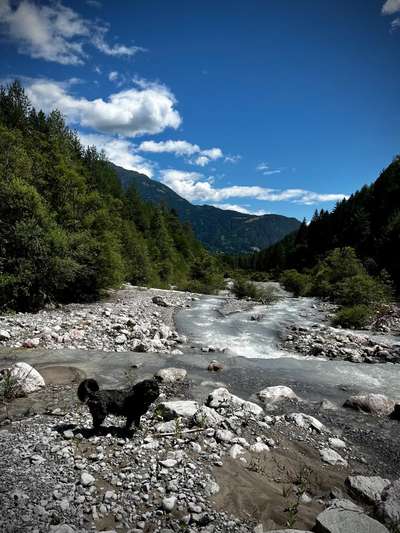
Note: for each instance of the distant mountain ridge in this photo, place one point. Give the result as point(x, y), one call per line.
point(218, 229)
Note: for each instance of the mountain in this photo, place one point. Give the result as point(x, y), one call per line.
point(218, 229)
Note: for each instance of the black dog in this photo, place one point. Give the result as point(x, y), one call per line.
point(131, 403)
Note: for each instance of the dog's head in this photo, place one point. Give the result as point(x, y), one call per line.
point(148, 390)
point(86, 389)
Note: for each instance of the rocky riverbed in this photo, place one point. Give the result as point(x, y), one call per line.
point(130, 319)
point(225, 465)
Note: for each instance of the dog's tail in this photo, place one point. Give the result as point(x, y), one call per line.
point(87, 388)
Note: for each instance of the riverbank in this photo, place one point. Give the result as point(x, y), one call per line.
point(132, 318)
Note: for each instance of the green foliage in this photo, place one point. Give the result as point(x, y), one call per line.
point(295, 282)
point(245, 289)
point(205, 275)
point(68, 229)
point(355, 317)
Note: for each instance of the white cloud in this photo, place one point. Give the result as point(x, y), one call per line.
point(194, 187)
point(182, 148)
point(55, 32)
point(390, 7)
point(232, 158)
point(113, 76)
point(240, 209)
point(395, 24)
point(119, 151)
point(266, 170)
point(130, 112)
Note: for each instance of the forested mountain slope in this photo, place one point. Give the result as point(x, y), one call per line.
point(68, 229)
point(218, 229)
point(368, 221)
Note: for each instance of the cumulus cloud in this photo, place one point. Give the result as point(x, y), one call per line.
point(390, 7)
point(266, 170)
point(113, 76)
point(194, 187)
point(55, 32)
point(131, 112)
point(119, 151)
point(232, 158)
point(182, 149)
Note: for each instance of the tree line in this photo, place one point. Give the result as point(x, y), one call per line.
point(69, 230)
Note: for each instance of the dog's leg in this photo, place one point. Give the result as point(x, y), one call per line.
point(130, 420)
point(98, 418)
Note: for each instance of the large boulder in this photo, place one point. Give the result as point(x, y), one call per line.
point(223, 398)
point(22, 378)
point(276, 394)
point(178, 408)
point(343, 521)
point(332, 458)
point(376, 404)
point(389, 508)
point(368, 488)
point(170, 375)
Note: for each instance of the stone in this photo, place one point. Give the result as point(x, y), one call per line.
point(62, 528)
point(341, 503)
point(276, 394)
point(170, 375)
point(236, 450)
point(389, 508)
point(259, 447)
point(212, 488)
point(367, 488)
point(343, 521)
point(327, 405)
point(158, 300)
point(182, 408)
point(215, 366)
point(221, 397)
point(169, 463)
point(31, 343)
point(284, 531)
point(224, 435)
point(334, 442)
point(331, 457)
point(120, 339)
point(87, 479)
point(207, 417)
point(26, 378)
point(376, 404)
point(305, 421)
point(5, 335)
point(169, 503)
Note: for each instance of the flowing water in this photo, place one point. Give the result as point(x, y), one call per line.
point(255, 344)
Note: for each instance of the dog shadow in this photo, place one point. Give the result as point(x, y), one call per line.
point(102, 431)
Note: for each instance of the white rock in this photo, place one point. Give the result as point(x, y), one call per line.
point(331, 457)
point(170, 375)
point(120, 339)
point(277, 393)
point(169, 503)
point(5, 335)
point(259, 447)
point(369, 488)
point(305, 421)
point(224, 435)
point(87, 479)
point(222, 397)
point(212, 488)
point(182, 408)
point(236, 450)
point(208, 417)
point(27, 379)
point(168, 463)
point(334, 442)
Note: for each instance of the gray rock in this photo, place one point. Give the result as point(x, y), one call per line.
point(331, 457)
point(277, 393)
point(62, 528)
point(376, 404)
point(341, 503)
point(182, 408)
point(169, 503)
point(208, 417)
point(367, 488)
point(171, 375)
point(389, 508)
point(87, 479)
point(305, 421)
point(334, 442)
point(27, 379)
point(343, 521)
point(4, 335)
point(224, 435)
point(327, 405)
point(223, 398)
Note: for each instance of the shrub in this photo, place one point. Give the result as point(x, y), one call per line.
point(295, 282)
point(245, 289)
point(361, 289)
point(355, 317)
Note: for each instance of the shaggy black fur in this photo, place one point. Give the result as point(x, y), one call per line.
point(131, 403)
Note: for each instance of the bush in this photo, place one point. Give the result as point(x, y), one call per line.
point(295, 282)
point(361, 290)
point(355, 317)
point(245, 289)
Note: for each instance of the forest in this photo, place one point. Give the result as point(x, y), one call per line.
point(69, 230)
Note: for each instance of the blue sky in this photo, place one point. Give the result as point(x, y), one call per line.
point(267, 106)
